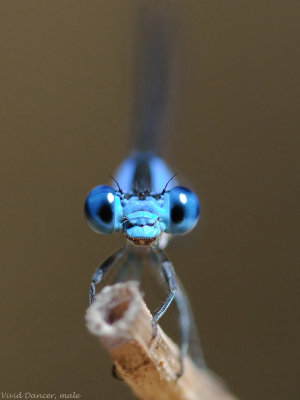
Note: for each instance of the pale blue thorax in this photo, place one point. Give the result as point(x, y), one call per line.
point(160, 173)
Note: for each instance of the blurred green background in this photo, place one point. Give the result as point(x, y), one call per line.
point(66, 101)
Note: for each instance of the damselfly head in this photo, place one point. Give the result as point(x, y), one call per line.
point(142, 218)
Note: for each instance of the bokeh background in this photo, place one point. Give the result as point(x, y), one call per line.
point(66, 101)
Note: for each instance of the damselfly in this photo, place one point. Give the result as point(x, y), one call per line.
point(148, 206)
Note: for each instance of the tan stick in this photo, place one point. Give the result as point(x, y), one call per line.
point(120, 318)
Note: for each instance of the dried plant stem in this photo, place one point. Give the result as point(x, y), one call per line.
point(121, 320)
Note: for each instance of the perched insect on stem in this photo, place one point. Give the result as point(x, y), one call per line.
point(148, 206)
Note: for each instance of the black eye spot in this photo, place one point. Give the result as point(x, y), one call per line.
point(177, 214)
point(105, 213)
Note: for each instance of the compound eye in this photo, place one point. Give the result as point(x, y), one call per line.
point(100, 209)
point(184, 210)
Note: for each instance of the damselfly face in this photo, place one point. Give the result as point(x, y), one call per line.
point(142, 217)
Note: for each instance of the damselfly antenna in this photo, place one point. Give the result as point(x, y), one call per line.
point(120, 190)
point(164, 190)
